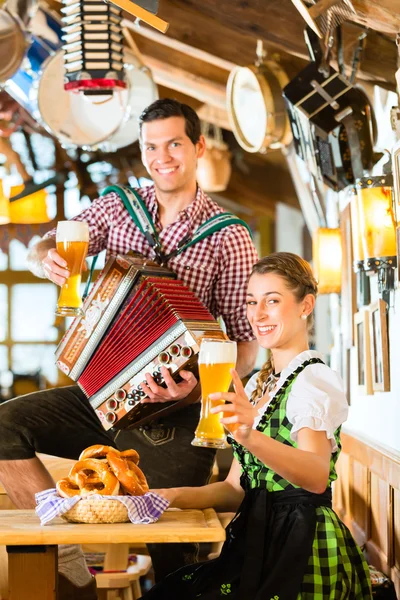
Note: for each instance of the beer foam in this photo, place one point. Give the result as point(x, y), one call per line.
point(217, 352)
point(72, 231)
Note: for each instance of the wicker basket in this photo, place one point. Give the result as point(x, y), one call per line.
point(97, 510)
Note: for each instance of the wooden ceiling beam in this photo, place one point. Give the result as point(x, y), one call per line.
point(224, 29)
point(383, 16)
point(205, 90)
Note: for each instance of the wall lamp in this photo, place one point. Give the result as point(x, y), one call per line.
point(374, 231)
point(327, 260)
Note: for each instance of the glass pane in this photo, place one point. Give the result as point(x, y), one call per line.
point(3, 359)
point(3, 261)
point(18, 253)
point(73, 203)
point(32, 316)
point(3, 312)
point(30, 358)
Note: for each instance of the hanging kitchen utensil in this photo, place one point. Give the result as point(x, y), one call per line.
point(214, 167)
point(331, 121)
point(323, 16)
point(256, 109)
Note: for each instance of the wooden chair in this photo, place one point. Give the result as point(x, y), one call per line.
point(126, 585)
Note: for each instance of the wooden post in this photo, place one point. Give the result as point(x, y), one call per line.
point(41, 564)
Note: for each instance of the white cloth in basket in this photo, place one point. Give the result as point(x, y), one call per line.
point(141, 509)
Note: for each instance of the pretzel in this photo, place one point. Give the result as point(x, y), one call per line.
point(128, 473)
point(99, 451)
point(96, 451)
point(67, 488)
point(89, 474)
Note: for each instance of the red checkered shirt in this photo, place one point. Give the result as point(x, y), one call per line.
point(216, 269)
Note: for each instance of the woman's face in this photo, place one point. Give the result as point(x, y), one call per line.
point(274, 312)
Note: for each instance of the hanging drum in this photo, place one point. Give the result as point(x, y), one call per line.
point(256, 109)
point(106, 122)
point(95, 122)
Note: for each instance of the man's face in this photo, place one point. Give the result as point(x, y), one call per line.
point(169, 155)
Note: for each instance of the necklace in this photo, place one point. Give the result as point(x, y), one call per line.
point(271, 382)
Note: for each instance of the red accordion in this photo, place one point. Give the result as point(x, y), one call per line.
point(137, 318)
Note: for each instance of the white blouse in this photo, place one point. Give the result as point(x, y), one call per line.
point(316, 399)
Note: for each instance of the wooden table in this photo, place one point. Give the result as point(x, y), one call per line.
point(32, 548)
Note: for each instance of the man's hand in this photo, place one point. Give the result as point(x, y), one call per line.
point(55, 267)
point(173, 391)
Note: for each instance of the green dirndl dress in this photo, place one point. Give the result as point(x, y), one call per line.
point(284, 543)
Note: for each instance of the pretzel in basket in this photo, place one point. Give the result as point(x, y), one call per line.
point(106, 471)
point(90, 476)
point(99, 451)
point(127, 472)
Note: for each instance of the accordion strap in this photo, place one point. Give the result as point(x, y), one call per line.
point(142, 218)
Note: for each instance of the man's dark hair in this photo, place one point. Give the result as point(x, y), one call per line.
point(168, 107)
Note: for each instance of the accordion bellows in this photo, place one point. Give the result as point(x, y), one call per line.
point(137, 318)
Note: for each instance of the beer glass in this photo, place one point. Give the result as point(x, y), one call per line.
point(216, 359)
point(72, 240)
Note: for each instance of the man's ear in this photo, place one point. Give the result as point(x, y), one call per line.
point(201, 146)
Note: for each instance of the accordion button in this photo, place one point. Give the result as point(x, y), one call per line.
point(164, 358)
point(120, 394)
point(186, 351)
point(174, 350)
point(111, 417)
point(112, 404)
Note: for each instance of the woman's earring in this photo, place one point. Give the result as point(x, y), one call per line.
point(304, 317)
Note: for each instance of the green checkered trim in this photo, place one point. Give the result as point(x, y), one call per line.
point(275, 424)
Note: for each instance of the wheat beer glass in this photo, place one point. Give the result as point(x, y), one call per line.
point(72, 241)
point(216, 359)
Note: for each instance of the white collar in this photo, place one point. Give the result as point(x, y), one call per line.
point(292, 366)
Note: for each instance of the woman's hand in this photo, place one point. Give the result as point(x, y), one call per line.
point(169, 494)
point(174, 391)
point(239, 414)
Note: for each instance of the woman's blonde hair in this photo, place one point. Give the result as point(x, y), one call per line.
point(299, 278)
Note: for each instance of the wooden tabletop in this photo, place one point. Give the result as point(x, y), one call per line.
point(22, 527)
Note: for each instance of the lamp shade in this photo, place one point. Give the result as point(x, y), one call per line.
point(327, 260)
point(377, 226)
point(29, 210)
point(4, 207)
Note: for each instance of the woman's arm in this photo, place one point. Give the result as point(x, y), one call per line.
point(223, 496)
point(306, 466)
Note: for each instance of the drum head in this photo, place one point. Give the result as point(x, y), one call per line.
point(141, 92)
point(92, 122)
point(12, 46)
point(247, 109)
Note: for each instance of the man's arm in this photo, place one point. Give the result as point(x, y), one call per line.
point(246, 357)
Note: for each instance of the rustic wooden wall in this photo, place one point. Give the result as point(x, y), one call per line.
point(367, 499)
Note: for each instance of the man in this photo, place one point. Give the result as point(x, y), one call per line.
point(61, 422)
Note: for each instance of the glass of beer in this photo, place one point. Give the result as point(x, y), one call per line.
point(216, 359)
point(72, 240)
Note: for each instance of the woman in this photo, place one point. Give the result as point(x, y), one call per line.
point(285, 541)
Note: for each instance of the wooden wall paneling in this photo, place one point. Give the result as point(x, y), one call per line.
point(378, 539)
point(359, 496)
point(369, 476)
point(396, 540)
